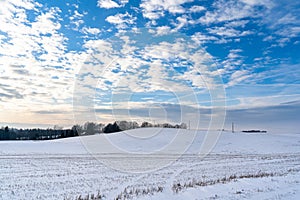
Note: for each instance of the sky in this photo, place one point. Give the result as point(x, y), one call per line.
point(207, 63)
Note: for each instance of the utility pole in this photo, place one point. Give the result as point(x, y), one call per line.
point(232, 127)
point(189, 124)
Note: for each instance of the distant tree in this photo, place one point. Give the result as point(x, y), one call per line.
point(57, 127)
point(183, 126)
point(146, 124)
point(77, 129)
point(6, 133)
point(134, 125)
point(111, 128)
point(62, 133)
point(125, 125)
point(12, 135)
point(99, 128)
point(33, 134)
point(167, 125)
point(89, 128)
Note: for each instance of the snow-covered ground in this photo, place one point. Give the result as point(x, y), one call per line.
point(153, 164)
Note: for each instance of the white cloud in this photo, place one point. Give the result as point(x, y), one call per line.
point(238, 77)
point(115, 19)
point(111, 4)
point(98, 45)
point(233, 53)
point(181, 22)
point(107, 4)
point(153, 15)
point(37, 69)
point(194, 9)
point(289, 31)
point(283, 21)
point(89, 30)
point(228, 32)
point(279, 16)
point(76, 20)
point(229, 10)
point(201, 38)
point(283, 41)
point(237, 23)
point(287, 19)
point(234, 61)
point(47, 22)
point(121, 20)
point(146, 69)
point(176, 9)
point(199, 75)
point(163, 30)
point(154, 9)
point(266, 3)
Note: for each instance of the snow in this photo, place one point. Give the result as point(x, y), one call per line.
point(148, 158)
point(149, 140)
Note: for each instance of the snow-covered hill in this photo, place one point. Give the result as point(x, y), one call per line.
point(240, 166)
point(163, 140)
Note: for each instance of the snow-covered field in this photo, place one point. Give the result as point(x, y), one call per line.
point(240, 166)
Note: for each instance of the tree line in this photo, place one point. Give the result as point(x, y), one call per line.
point(89, 128)
point(35, 134)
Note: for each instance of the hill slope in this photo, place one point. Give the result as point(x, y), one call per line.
point(156, 140)
point(249, 166)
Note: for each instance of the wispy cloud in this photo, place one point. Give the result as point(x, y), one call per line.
point(194, 9)
point(154, 9)
point(233, 10)
point(286, 25)
point(90, 31)
point(228, 32)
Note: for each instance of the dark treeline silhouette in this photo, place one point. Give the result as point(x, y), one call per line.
point(35, 134)
point(89, 128)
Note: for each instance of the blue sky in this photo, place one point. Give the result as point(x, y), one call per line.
point(208, 62)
